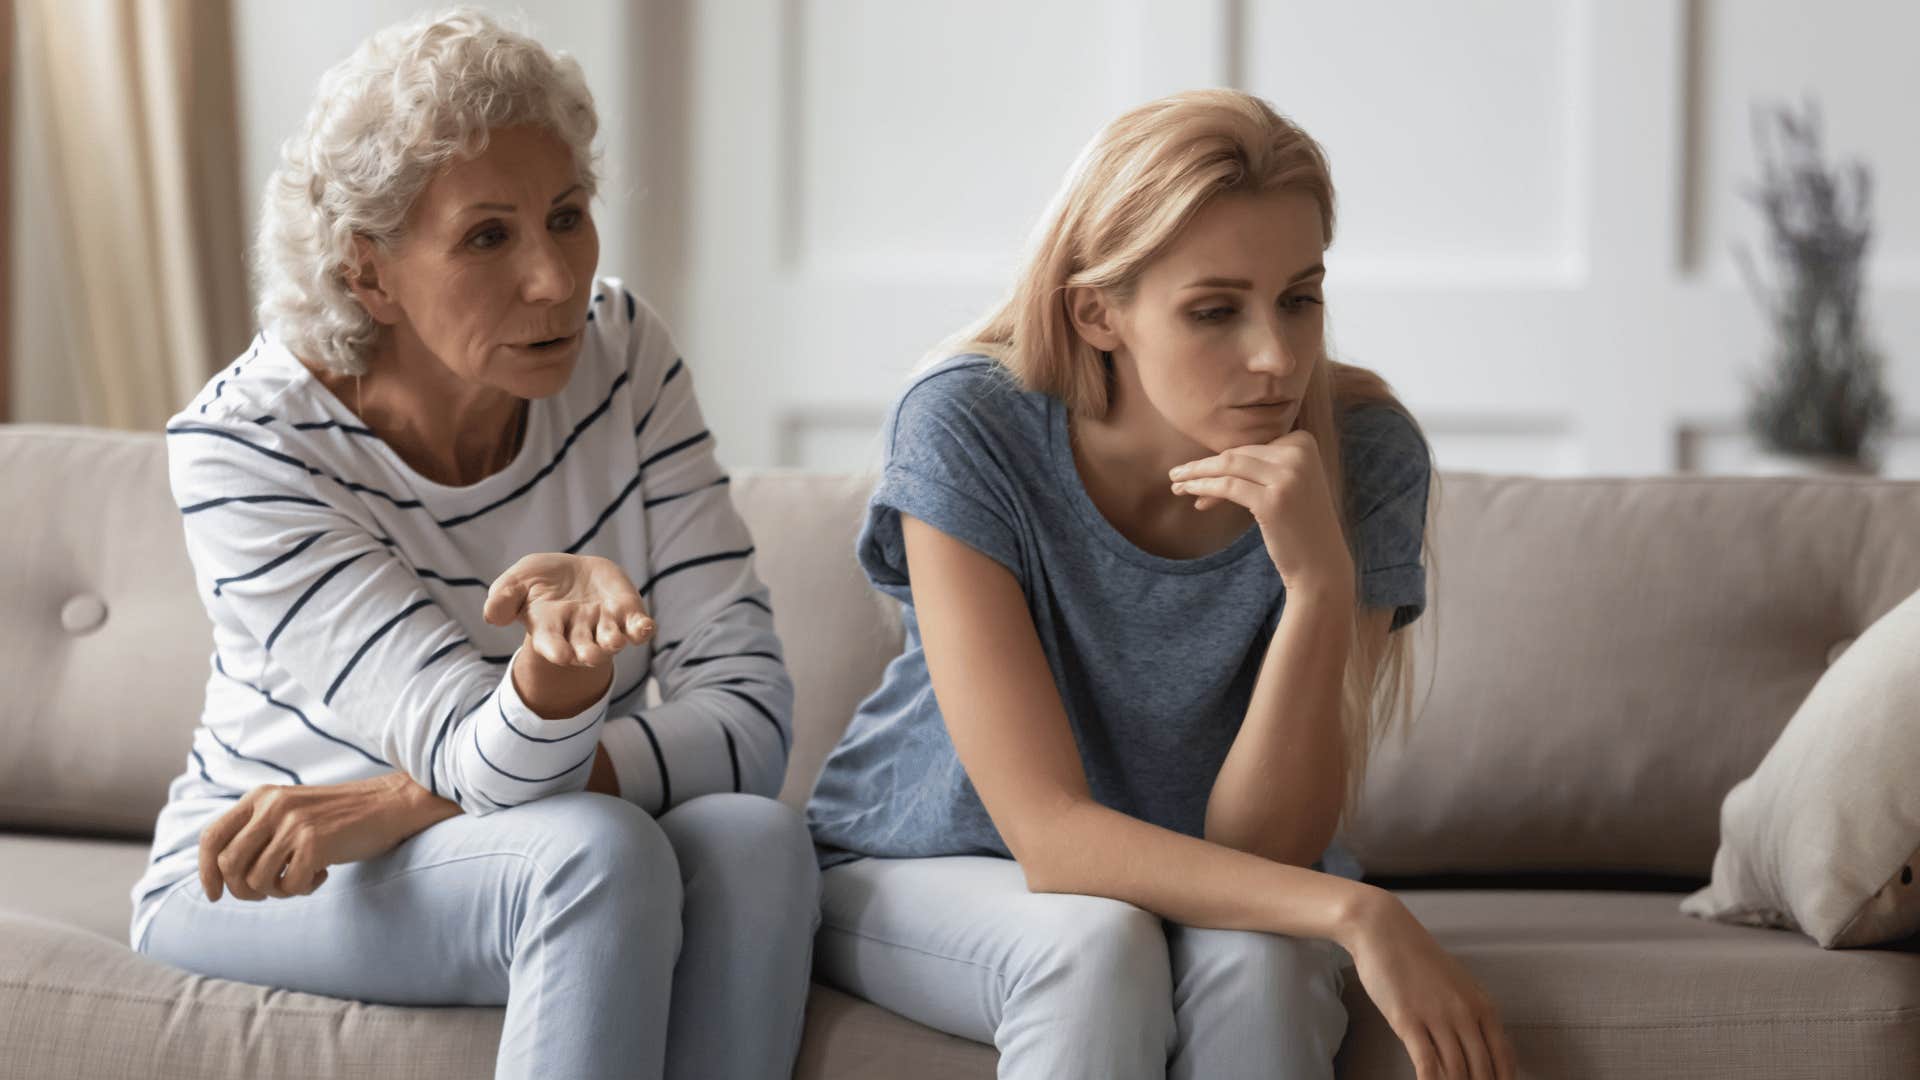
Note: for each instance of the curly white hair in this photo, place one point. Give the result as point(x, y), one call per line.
point(383, 122)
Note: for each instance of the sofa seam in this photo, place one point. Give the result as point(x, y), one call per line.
point(286, 1010)
point(1888, 1016)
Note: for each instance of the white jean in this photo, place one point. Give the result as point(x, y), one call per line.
point(1077, 986)
point(621, 946)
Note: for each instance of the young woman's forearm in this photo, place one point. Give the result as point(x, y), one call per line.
point(1092, 850)
point(1278, 793)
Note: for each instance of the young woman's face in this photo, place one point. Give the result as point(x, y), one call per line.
point(495, 271)
point(1224, 327)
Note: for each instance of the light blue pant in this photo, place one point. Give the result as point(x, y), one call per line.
point(571, 911)
point(1077, 986)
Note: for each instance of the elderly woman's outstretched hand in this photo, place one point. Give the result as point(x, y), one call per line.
point(579, 610)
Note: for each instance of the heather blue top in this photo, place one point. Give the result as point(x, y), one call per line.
point(1154, 658)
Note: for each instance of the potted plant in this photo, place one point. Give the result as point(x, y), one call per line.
point(1821, 404)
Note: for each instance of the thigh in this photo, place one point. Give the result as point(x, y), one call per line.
point(431, 922)
point(947, 941)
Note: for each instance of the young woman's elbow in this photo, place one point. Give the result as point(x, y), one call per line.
point(1048, 848)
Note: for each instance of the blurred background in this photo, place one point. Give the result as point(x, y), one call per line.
point(1543, 203)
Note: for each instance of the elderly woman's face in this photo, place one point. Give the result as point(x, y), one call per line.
point(495, 271)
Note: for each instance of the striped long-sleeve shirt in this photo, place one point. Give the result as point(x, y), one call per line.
point(345, 592)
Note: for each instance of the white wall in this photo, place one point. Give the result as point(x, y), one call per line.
point(1538, 197)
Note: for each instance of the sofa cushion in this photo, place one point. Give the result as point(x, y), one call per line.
point(837, 632)
point(1590, 984)
point(1604, 659)
point(103, 642)
point(1822, 837)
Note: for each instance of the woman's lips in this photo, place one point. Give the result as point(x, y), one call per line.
point(548, 344)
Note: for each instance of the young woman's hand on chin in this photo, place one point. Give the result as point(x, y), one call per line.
point(1284, 485)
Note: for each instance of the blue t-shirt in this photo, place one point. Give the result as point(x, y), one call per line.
point(1154, 658)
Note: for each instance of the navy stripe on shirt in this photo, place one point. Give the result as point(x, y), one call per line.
point(440, 652)
point(583, 425)
point(648, 504)
point(433, 783)
point(696, 661)
point(663, 454)
point(278, 704)
point(278, 560)
point(535, 738)
point(211, 503)
point(457, 582)
point(528, 779)
point(368, 644)
point(689, 564)
point(594, 529)
point(308, 595)
point(678, 363)
point(224, 745)
point(660, 759)
point(759, 708)
point(733, 756)
point(289, 459)
point(323, 425)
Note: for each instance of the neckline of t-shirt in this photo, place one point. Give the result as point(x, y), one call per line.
point(508, 476)
point(1068, 475)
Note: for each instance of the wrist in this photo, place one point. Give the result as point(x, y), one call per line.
point(556, 691)
point(1324, 597)
point(1361, 914)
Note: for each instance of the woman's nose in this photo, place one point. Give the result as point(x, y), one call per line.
point(1270, 354)
point(547, 277)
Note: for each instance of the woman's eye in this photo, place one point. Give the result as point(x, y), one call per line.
point(566, 220)
point(1300, 302)
point(485, 239)
point(1212, 314)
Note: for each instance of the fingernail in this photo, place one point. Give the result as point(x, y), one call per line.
point(1177, 472)
point(1179, 489)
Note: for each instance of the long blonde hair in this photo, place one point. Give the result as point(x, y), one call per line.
point(1128, 195)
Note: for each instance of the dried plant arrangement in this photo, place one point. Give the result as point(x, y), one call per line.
point(1823, 392)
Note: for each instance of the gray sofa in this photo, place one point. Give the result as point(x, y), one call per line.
point(1603, 660)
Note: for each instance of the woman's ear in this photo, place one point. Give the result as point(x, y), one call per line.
point(1093, 317)
point(366, 279)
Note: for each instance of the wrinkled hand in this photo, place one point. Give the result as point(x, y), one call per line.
point(1284, 485)
point(1449, 1026)
point(278, 841)
point(579, 610)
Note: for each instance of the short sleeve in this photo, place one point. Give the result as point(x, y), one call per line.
point(1388, 469)
point(947, 450)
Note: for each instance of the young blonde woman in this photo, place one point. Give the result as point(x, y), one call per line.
point(1153, 548)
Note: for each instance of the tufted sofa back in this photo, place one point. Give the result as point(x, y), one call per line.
point(1602, 659)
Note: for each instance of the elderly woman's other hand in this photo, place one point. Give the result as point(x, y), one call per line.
point(278, 840)
point(579, 610)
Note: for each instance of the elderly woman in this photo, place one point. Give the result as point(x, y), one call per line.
point(450, 514)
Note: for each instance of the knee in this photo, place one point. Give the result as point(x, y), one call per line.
point(1245, 965)
point(749, 845)
point(594, 842)
point(1106, 947)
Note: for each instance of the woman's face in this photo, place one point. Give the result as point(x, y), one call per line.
point(1224, 327)
point(494, 272)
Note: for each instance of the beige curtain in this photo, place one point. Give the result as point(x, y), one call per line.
point(140, 139)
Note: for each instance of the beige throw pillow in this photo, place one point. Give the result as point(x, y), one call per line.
point(1823, 836)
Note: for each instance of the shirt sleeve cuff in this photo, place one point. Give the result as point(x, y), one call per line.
point(529, 724)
